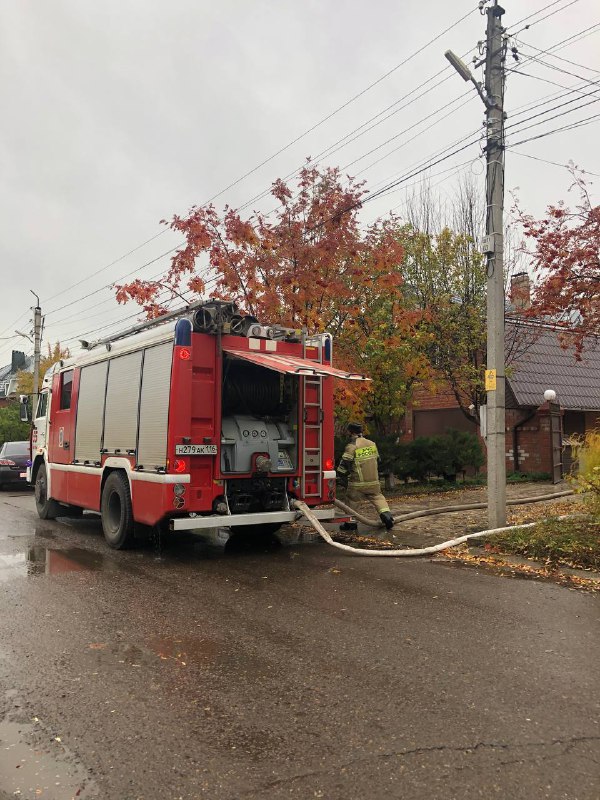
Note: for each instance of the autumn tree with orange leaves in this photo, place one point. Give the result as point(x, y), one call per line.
point(308, 263)
point(566, 256)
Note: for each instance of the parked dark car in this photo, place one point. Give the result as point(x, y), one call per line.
point(13, 463)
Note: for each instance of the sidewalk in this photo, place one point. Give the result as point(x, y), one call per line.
point(427, 531)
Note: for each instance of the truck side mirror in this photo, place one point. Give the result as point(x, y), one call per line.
point(24, 408)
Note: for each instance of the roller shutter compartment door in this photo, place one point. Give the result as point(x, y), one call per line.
point(90, 413)
point(154, 406)
point(122, 401)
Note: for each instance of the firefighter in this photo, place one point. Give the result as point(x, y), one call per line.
point(358, 470)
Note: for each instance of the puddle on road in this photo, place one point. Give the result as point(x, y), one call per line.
point(38, 560)
point(27, 771)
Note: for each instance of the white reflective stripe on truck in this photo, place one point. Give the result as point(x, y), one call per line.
point(149, 477)
point(232, 520)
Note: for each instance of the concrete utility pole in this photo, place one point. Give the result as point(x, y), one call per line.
point(495, 375)
point(493, 247)
point(37, 346)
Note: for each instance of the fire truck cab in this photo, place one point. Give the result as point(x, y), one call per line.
point(200, 419)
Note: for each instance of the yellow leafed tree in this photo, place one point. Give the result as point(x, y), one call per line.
point(25, 379)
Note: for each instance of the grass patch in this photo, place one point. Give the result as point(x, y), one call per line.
point(527, 477)
point(433, 486)
point(574, 542)
point(436, 485)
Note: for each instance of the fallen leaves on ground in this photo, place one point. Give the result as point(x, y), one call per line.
point(366, 542)
point(500, 566)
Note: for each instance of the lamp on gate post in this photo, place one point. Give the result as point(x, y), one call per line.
point(556, 443)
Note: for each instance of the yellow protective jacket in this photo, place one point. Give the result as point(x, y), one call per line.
point(359, 464)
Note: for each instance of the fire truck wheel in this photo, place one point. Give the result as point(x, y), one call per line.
point(46, 507)
point(117, 513)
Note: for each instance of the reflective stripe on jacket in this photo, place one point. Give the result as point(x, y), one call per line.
point(359, 462)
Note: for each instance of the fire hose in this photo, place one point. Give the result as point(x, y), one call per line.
point(376, 523)
point(420, 551)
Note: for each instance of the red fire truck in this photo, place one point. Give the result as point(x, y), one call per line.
point(202, 418)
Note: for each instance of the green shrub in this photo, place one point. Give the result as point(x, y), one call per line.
point(11, 427)
point(527, 477)
point(426, 456)
point(587, 477)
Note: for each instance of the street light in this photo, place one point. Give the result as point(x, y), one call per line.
point(492, 245)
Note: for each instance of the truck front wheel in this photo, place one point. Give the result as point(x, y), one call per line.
point(117, 512)
point(46, 507)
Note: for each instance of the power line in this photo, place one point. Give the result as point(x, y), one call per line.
point(523, 109)
point(427, 166)
point(343, 142)
point(107, 266)
point(555, 108)
point(553, 163)
point(561, 58)
point(411, 127)
point(161, 296)
point(16, 322)
point(278, 152)
point(329, 150)
point(110, 285)
point(351, 137)
point(343, 106)
point(572, 126)
point(556, 68)
point(556, 116)
point(545, 8)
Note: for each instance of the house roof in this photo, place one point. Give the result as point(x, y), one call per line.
point(7, 374)
point(540, 361)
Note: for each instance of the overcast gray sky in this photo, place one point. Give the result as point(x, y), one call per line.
point(118, 114)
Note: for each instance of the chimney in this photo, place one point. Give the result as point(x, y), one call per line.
point(520, 291)
point(18, 361)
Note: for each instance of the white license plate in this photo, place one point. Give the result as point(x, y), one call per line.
point(22, 474)
point(196, 450)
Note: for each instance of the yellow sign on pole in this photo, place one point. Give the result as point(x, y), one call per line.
point(490, 380)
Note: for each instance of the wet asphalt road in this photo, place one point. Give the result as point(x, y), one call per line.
point(296, 672)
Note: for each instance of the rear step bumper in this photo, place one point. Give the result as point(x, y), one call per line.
point(230, 521)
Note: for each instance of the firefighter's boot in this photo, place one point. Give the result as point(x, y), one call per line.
point(387, 519)
point(349, 526)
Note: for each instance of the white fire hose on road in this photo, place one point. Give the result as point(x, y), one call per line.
point(420, 551)
point(376, 523)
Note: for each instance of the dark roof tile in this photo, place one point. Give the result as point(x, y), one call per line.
point(540, 362)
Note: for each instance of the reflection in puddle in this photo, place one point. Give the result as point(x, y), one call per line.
point(26, 771)
point(39, 560)
point(46, 561)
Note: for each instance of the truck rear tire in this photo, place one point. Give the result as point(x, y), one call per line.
point(117, 512)
point(45, 506)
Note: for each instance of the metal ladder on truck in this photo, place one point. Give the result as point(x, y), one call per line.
point(312, 429)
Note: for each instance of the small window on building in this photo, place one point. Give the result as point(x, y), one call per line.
point(42, 405)
point(66, 387)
